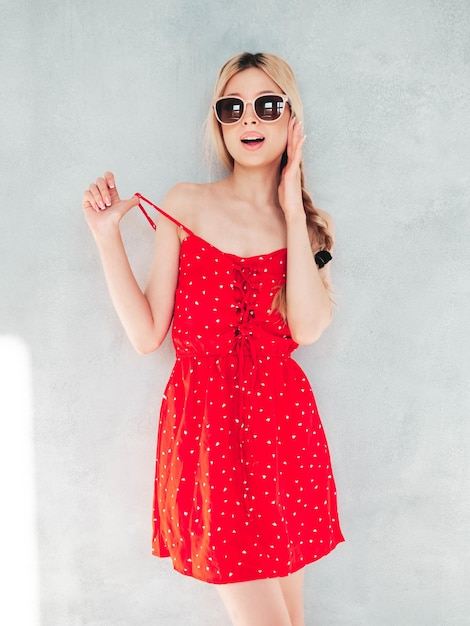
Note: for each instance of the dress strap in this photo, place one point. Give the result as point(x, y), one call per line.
point(150, 220)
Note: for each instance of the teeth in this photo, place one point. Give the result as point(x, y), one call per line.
point(250, 139)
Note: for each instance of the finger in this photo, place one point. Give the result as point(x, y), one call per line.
point(112, 188)
point(131, 202)
point(297, 156)
point(296, 132)
point(290, 137)
point(96, 193)
point(89, 202)
point(293, 163)
point(104, 191)
point(300, 136)
point(299, 139)
point(110, 180)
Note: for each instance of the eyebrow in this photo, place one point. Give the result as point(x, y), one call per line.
point(260, 93)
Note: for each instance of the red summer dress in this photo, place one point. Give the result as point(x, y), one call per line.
point(244, 487)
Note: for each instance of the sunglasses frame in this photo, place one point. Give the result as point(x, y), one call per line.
point(284, 97)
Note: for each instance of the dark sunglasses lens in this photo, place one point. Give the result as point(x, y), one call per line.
point(229, 110)
point(269, 108)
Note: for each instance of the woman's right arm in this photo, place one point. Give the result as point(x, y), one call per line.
point(145, 316)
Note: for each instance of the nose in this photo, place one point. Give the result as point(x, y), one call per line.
point(249, 116)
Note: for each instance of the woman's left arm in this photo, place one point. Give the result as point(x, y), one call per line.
point(309, 308)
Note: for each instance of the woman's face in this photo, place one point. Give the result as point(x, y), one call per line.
point(269, 139)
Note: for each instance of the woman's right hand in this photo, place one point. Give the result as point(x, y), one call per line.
point(102, 205)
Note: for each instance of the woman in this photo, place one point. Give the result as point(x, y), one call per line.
point(244, 491)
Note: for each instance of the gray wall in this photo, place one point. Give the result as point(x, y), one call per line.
point(89, 86)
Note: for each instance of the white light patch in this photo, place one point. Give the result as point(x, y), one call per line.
point(18, 543)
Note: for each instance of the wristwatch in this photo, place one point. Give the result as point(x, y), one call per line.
point(322, 258)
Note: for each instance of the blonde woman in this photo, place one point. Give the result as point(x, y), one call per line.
point(244, 492)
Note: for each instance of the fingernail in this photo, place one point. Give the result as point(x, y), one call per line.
point(108, 201)
point(111, 185)
point(101, 204)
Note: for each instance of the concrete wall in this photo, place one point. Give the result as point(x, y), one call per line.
point(94, 85)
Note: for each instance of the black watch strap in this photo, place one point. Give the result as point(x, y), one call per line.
point(322, 258)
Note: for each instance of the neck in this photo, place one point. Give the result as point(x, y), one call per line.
point(257, 186)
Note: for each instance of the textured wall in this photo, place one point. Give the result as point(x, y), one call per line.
point(89, 86)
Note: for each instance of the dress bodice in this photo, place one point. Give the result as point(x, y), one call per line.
point(224, 302)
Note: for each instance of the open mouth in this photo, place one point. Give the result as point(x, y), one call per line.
point(252, 140)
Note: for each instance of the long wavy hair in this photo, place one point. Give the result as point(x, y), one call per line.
point(281, 73)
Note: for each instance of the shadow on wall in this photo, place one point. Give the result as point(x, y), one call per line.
point(18, 541)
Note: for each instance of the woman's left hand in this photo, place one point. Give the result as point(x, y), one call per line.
point(290, 188)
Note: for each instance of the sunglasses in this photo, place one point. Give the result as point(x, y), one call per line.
point(267, 108)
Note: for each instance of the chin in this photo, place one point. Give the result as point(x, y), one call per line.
point(257, 158)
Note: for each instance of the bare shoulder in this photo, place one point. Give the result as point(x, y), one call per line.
point(180, 195)
point(190, 203)
point(183, 199)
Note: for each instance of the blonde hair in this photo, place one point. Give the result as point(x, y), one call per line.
point(281, 73)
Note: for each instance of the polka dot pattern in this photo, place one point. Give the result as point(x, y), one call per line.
point(244, 487)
